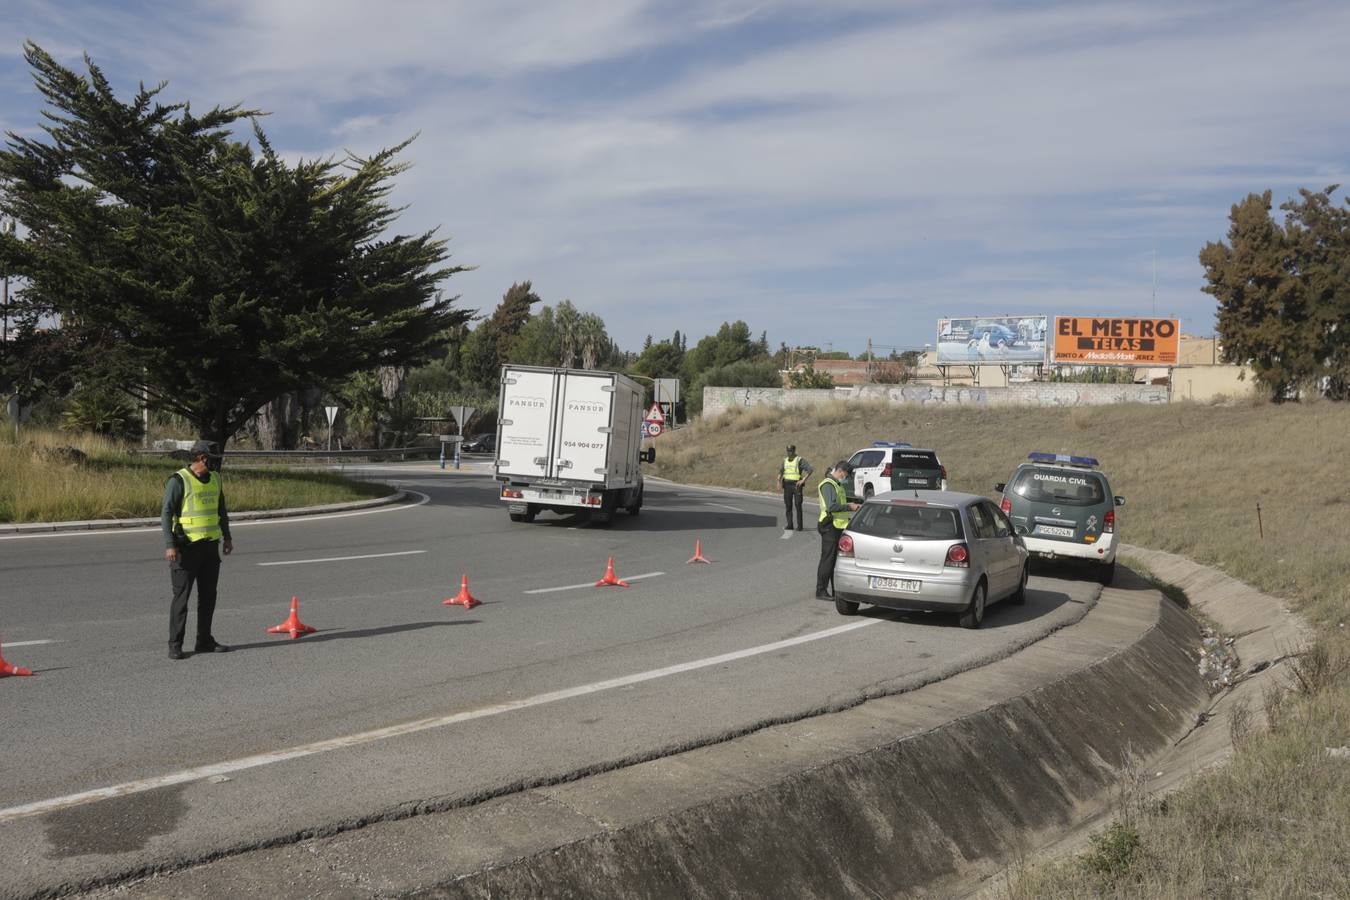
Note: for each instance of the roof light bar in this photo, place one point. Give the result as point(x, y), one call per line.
point(1039, 456)
point(891, 444)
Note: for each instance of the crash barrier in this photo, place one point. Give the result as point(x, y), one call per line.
point(388, 453)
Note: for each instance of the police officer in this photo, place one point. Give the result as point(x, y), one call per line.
point(196, 528)
point(835, 510)
point(792, 475)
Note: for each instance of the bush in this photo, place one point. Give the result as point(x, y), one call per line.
point(103, 412)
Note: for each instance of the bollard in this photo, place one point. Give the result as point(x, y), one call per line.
point(442, 454)
point(457, 443)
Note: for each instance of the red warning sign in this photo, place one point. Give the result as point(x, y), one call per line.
point(655, 415)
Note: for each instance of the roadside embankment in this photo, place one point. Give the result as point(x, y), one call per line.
point(910, 793)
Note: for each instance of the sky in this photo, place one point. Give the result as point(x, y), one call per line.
point(829, 173)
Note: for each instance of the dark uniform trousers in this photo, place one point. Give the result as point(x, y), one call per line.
point(792, 499)
point(198, 562)
point(829, 552)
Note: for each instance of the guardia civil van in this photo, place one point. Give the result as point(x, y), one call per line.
point(1063, 507)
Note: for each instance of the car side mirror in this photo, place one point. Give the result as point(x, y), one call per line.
point(1000, 486)
point(648, 455)
point(1120, 501)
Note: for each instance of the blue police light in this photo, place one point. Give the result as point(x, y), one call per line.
point(890, 444)
point(1039, 456)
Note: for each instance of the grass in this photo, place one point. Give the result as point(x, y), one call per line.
point(53, 477)
point(1274, 821)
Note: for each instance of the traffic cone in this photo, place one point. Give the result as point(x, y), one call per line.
point(293, 625)
point(8, 668)
point(698, 553)
point(610, 578)
point(463, 598)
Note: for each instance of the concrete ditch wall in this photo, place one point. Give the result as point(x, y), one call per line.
point(717, 400)
point(906, 816)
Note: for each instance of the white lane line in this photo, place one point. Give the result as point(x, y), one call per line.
point(291, 520)
point(296, 562)
point(577, 587)
point(724, 506)
point(785, 536)
point(29, 643)
point(366, 737)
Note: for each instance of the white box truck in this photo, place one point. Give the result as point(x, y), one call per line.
point(569, 440)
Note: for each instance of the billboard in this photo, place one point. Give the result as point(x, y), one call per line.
point(1116, 341)
point(992, 340)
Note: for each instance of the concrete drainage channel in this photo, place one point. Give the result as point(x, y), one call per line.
point(929, 791)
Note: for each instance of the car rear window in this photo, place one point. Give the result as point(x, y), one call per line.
point(916, 459)
point(1070, 487)
point(893, 520)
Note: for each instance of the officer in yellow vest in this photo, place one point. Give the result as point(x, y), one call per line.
point(792, 475)
point(196, 528)
point(835, 510)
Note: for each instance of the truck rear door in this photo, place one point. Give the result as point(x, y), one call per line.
point(581, 448)
point(528, 410)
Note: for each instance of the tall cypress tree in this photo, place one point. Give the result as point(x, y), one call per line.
point(203, 270)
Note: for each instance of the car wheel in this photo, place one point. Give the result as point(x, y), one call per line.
point(974, 613)
point(845, 607)
point(1020, 595)
point(1107, 573)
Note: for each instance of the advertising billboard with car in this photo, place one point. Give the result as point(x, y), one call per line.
point(992, 340)
point(1116, 341)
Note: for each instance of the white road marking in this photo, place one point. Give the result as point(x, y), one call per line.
point(785, 536)
point(198, 773)
point(290, 520)
point(577, 587)
point(29, 643)
point(296, 562)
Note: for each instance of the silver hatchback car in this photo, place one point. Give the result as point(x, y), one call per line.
point(930, 550)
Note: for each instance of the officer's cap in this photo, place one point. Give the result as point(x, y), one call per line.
point(207, 447)
point(792, 448)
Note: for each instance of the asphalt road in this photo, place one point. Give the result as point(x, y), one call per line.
point(116, 759)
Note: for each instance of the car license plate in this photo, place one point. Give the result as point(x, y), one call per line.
point(908, 585)
point(552, 495)
point(918, 481)
point(1056, 530)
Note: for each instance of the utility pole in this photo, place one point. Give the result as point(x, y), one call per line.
point(1155, 282)
point(4, 295)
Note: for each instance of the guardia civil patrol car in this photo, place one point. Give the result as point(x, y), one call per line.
point(1063, 507)
point(895, 466)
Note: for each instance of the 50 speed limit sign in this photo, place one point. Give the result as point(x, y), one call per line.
point(653, 428)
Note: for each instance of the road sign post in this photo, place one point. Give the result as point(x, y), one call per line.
point(461, 415)
point(331, 412)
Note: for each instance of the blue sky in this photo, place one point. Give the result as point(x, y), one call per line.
point(825, 172)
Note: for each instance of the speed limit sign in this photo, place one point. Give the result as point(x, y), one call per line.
point(653, 428)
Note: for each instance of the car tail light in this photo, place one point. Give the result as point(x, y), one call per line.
point(886, 471)
point(944, 472)
point(845, 545)
point(512, 493)
point(958, 555)
point(1109, 522)
point(1006, 506)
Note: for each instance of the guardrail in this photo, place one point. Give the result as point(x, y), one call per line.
point(401, 453)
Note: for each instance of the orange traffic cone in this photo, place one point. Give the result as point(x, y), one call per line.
point(610, 578)
point(8, 668)
point(463, 598)
point(293, 625)
point(698, 554)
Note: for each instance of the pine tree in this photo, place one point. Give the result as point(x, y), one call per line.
point(208, 272)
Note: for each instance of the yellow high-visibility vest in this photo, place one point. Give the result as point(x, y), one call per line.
point(840, 518)
point(199, 519)
point(792, 468)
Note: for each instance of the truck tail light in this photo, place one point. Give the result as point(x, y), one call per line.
point(593, 499)
point(845, 545)
point(1006, 506)
point(958, 555)
point(512, 494)
point(1109, 522)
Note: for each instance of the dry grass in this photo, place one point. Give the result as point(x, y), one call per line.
point(1274, 822)
point(42, 480)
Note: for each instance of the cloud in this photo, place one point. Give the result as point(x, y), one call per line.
point(674, 165)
